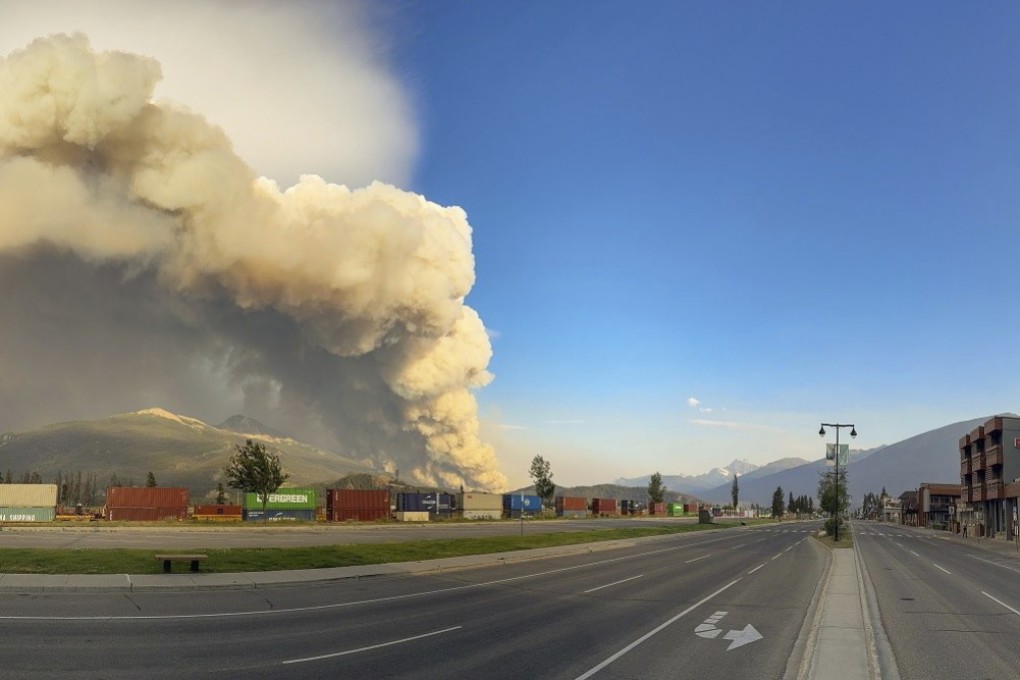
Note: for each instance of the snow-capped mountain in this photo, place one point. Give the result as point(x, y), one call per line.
point(692, 484)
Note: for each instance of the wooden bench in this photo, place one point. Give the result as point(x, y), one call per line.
point(170, 559)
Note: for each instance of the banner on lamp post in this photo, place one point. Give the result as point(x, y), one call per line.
point(844, 454)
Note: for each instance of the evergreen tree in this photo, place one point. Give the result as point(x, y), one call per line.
point(777, 502)
point(789, 505)
point(221, 494)
point(541, 475)
point(735, 491)
point(150, 480)
point(656, 491)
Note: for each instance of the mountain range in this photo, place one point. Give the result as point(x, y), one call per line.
point(183, 451)
point(178, 450)
point(932, 456)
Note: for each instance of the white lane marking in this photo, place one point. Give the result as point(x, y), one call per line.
point(738, 545)
point(788, 549)
point(777, 556)
point(698, 558)
point(898, 543)
point(762, 539)
point(370, 647)
point(979, 559)
point(914, 553)
point(615, 583)
point(938, 567)
point(757, 568)
point(1000, 602)
point(652, 632)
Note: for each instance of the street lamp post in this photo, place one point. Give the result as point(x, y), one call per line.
point(853, 434)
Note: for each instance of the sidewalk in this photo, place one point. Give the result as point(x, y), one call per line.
point(840, 644)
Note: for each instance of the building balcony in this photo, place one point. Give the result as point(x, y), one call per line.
point(965, 468)
point(993, 456)
point(977, 494)
point(993, 425)
point(993, 491)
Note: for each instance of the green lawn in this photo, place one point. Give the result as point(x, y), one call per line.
point(123, 561)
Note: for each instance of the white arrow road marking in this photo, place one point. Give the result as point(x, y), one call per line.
point(742, 637)
point(708, 629)
point(738, 638)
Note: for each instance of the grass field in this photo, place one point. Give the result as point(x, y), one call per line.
point(131, 561)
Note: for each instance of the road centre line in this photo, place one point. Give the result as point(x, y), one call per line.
point(1000, 602)
point(652, 632)
point(614, 583)
point(738, 545)
point(914, 553)
point(343, 605)
point(938, 567)
point(370, 647)
point(778, 555)
point(698, 558)
point(757, 568)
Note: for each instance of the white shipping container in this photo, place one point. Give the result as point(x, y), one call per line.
point(407, 516)
point(483, 514)
point(481, 501)
point(28, 495)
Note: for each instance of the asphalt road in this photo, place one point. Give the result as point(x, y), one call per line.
point(176, 537)
point(630, 613)
point(949, 610)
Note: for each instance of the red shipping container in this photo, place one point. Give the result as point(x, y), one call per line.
point(603, 506)
point(571, 503)
point(361, 505)
point(690, 508)
point(146, 497)
point(146, 514)
point(657, 508)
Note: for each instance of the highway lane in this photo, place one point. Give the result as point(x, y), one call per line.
point(557, 618)
point(184, 536)
point(949, 610)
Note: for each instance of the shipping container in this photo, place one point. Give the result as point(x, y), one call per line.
point(676, 510)
point(570, 503)
point(218, 513)
point(409, 516)
point(362, 505)
point(603, 506)
point(146, 514)
point(27, 514)
point(256, 515)
point(28, 495)
point(480, 501)
point(146, 497)
point(283, 499)
point(690, 508)
point(515, 504)
point(482, 514)
point(657, 509)
point(438, 505)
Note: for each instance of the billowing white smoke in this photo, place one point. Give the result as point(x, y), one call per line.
point(141, 258)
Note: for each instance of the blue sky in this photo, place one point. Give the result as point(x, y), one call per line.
point(791, 212)
point(701, 228)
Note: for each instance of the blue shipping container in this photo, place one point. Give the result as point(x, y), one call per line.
point(440, 504)
point(251, 515)
point(515, 502)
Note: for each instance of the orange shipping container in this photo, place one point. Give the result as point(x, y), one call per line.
point(361, 505)
point(571, 503)
point(146, 497)
point(219, 511)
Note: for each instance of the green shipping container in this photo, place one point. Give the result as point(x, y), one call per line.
point(283, 499)
point(676, 509)
point(27, 514)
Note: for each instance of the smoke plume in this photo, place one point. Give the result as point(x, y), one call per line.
point(143, 262)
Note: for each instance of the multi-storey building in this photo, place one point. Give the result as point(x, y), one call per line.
point(936, 504)
point(990, 477)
